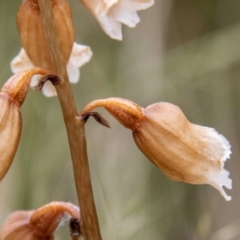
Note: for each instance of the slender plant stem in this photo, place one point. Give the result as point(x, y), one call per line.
point(75, 128)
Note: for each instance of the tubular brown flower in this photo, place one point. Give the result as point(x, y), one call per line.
point(39, 224)
point(12, 97)
point(182, 150)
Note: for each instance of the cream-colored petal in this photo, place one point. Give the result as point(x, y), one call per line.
point(21, 62)
point(73, 73)
point(221, 180)
point(81, 54)
point(49, 90)
point(217, 145)
point(112, 13)
point(109, 3)
point(124, 14)
point(111, 27)
point(35, 80)
point(139, 4)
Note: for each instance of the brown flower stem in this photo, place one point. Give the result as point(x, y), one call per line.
point(75, 128)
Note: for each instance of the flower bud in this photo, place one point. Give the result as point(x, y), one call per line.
point(38, 224)
point(32, 34)
point(182, 150)
point(12, 97)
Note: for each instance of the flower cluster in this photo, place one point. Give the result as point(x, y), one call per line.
point(110, 14)
point(182, 150)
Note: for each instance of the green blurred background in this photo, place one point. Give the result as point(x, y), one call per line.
point(186, 52)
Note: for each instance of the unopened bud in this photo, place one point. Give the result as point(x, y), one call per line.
point(39, 224)
point(32, 35)
point(12, 96)
point(182, 150)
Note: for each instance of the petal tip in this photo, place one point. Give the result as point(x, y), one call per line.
point(227, 147)
point(145, 5)
point(81, 54)
point(48, 90)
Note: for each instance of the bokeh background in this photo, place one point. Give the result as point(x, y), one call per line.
point(186, 52)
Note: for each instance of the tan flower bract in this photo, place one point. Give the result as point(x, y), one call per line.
point(32, 34)
point(182, 150)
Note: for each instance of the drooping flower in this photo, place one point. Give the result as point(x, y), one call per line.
point(12, 96)
point(40, 224)
point(111, 14)
point(35, 51)
point(182, 150)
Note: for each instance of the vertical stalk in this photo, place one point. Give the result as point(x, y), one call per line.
point(75, 128)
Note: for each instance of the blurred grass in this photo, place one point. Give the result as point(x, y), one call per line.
point(185, 52)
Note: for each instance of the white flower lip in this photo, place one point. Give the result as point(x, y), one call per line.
point(80, 55)
point(221, 178)
point(111, 14)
